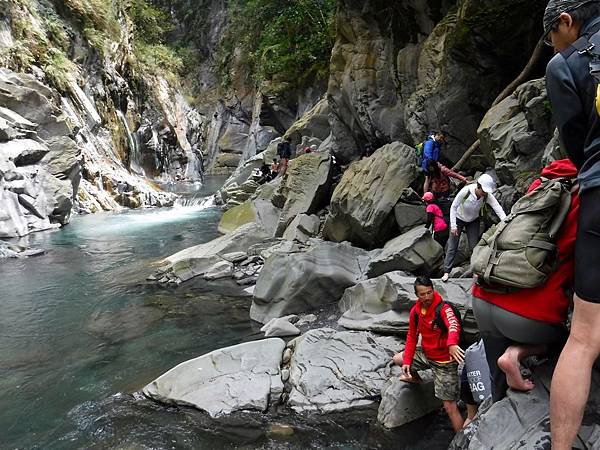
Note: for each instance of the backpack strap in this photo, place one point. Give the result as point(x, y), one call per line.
point(563, 209)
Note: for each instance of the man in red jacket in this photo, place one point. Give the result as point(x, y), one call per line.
point(440, 351)
point(526, 322)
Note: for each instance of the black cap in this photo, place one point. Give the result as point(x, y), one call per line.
point(556, 7)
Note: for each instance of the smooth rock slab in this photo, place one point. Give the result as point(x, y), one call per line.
point(242, 377)
point(402, 402)
point(338, 370)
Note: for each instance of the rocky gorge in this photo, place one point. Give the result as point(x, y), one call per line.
point(326, 253)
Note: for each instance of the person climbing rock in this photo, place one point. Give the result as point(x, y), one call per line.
point(435, 220)
point(573, 29)
point(465, 213)
point(432, 149)
point(526, 322)
point(437, 179)
point(439, 349)
point(274, 168)
point(284, 151)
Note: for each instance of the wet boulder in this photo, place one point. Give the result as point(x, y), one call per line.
point(338, 370)
point(244, 377)
point(362, 205)
point(306, 279)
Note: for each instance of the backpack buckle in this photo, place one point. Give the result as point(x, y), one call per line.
point(588, 49)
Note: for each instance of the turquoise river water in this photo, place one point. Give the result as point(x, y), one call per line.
point(81, 331)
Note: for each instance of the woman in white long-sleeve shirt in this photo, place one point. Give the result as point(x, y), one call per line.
point(465, 213)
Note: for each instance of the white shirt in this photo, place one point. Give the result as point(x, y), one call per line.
point(466, 206)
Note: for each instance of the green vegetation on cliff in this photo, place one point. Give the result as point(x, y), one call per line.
point(45, 35)
point(277, 41)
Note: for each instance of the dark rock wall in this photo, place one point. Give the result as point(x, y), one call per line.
point(400, 69)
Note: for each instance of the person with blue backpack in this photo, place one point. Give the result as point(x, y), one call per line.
point(432, 149)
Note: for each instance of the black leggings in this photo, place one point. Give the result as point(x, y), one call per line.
point(500, 329)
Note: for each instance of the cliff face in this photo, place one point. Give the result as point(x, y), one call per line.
point(129, 124)
point(402, 69)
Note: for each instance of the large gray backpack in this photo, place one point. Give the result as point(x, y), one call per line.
point(520, 251)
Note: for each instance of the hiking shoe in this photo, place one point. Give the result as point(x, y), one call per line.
point(445, 277)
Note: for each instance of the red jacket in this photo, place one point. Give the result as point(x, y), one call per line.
point(549, 302)
point(442, 184)
point(434, 341)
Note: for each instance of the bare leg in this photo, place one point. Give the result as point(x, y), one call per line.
point(414, 378)
point(571, 379)
point(454, 415)
point(471, 413)
point(509, 362)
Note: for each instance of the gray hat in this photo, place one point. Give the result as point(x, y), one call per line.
point(556, 7)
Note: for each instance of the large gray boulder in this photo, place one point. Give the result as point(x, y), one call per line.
point(305, 187)
point(239, 378)
point(300, 281)
point(414, 251)
point(338, 370)
point(521, 421)
point(383, 304)
point(514, 134)
point(363, 202)
point(403, 402)
point(313, 124)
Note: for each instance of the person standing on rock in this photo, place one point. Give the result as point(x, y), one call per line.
point(435, 220)
point(573, 29)
point(465, 213)
point(274, 168)
point(432, 149)
point(440, 352)
point(284, 151)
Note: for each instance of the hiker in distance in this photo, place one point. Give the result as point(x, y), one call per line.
point(465, 214)
point(572, 28)
point(439, 327)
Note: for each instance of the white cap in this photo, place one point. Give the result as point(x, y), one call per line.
point(487, 183)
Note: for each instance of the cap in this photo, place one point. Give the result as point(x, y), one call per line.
point(487, 183)
point(427, 196)
point(556, 7)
